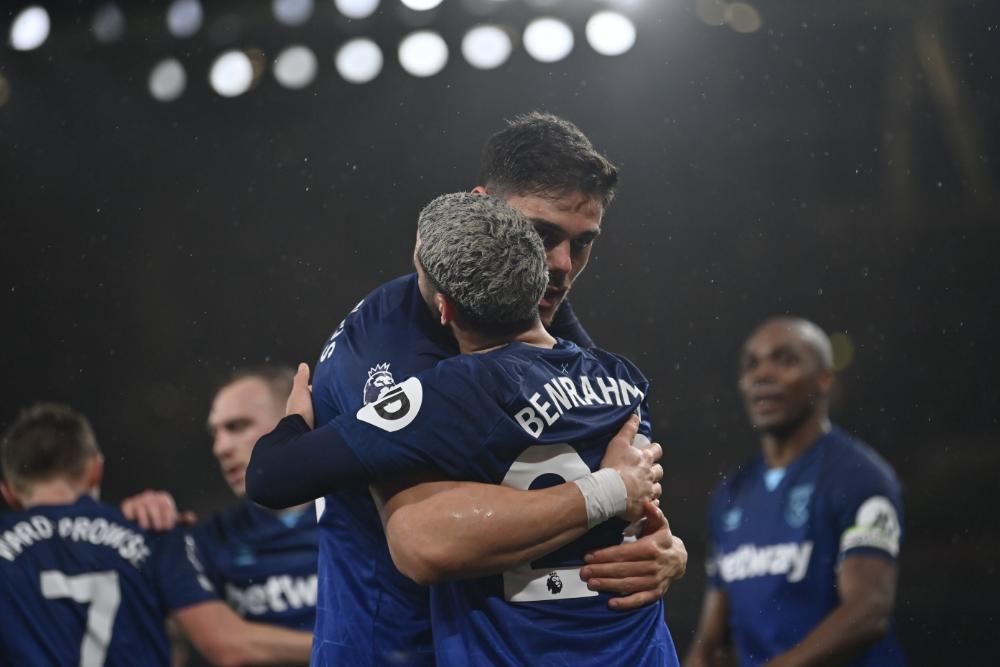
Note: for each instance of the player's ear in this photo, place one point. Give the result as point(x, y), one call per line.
point(825, 381)
point(10, 497)
point(95, 472)
point(445, 308)
point(479, 190)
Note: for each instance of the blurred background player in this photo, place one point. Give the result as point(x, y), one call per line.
point(262, 562)
point(84, 586)
point(547, 168)
point(518, 408)
point(805, 536)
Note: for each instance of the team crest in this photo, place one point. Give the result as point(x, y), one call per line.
point(554, 583)
point(395, 406)
point(797, 510)
point(380, 380)
point(731, 519)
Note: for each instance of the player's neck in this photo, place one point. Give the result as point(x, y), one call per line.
point(52, 492)
point(470, 342)
point(781, 449)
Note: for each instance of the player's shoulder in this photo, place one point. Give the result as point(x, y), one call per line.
point(738, 481)
point(614, 362)
point(223, 525)
point(852, 459)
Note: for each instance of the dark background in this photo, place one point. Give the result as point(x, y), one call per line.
point(841, 163)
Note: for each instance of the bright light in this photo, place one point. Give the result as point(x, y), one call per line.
point(167, 80)
point(486, 46)
point(843, 350)
point(30, 29)
point(423, 53)
point(184, 17)
point(108, 24)
point(421, 5)
point(610, 33)
point(744, 18)
point(357, 9)
point(292, 12)
point(548, 40)
point(359, 60)
point(232, 74)
point(295, 67)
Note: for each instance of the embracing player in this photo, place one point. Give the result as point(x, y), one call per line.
point(369, 613)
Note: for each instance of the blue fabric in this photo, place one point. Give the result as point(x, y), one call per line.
point(262, 563)
point(369, 613)
point(775, 552)
point(506, 416)
point(90, 550)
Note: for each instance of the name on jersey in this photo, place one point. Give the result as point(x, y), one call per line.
point(129, 544)
point(749, 561)
point(278, 594)
point(561, 394)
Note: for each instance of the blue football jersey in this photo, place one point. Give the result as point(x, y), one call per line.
point(81, 585)
point(777, 539)
point(263, 563)
point(526, 417)
point(367, 612)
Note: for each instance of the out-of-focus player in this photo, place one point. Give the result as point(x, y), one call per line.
point(368, 612)
point(518, 408)
point(805, 536)
point(262, 562)
point(81, 585)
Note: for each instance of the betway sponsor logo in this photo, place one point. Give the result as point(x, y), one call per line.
point(790, 560)
point(279, 593)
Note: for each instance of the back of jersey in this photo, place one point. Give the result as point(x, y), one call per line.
point(78, 587)
point(525, 417)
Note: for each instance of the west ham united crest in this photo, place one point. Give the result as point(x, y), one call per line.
point(797, 510)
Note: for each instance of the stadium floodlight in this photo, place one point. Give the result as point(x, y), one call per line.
point(610, 33)
point(486, 46)
point(109, 23)
point(295, 67)
point(167, 80)
point(548, 40)
point(359, 60)
point(743, 17)
point(231, 74)
point(184, 18)
point(292, 12)
point(421, 5)
point(357, 9)
point(30, 29)
point(423, 53)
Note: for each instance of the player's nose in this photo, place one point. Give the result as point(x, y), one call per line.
point(559, 258)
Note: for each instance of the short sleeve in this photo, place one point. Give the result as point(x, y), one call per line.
point(868, 509)
point(179, 572)
point(439, 419)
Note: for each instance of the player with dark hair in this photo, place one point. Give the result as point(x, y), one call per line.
point(82, 585)
point(368, 612)
point(805, 536)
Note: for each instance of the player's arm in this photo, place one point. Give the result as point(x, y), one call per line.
point(224, 638)
point(711, 646)
point(444, 530)
point(867, 588)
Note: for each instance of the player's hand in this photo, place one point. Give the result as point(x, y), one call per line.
point(641, 571)
point(636, 466)
point(155, 510)
point(300, 400)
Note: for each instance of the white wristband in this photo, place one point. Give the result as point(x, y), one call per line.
point(605, 495)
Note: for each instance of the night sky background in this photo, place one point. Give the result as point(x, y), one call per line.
point(840, 163)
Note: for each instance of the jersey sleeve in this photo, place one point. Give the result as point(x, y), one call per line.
point(565, 324)
point(179, 572)
point(868, 509)
point(439, 419)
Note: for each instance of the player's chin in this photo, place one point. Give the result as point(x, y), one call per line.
point(547, 309)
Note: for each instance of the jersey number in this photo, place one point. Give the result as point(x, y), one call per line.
point(525, 584)
point(101, 591)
